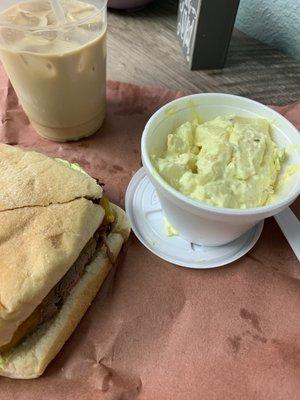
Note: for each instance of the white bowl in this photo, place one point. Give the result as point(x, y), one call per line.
point(196, 221)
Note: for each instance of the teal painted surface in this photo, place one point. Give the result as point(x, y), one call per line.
point(276, 22)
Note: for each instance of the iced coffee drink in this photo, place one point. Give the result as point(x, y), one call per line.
point(57, 67)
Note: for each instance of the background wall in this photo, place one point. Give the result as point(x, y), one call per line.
point(276, 22)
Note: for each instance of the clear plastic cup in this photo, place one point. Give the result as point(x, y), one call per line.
point(57, 67)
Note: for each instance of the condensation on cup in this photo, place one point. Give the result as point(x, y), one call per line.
point(57, 63)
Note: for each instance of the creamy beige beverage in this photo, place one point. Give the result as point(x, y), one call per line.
point(58, 69)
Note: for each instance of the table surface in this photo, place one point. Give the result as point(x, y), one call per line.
point(143, 49)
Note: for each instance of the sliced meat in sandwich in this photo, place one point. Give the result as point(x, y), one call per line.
point(58, 240)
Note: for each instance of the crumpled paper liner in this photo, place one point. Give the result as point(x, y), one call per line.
point(157, 331)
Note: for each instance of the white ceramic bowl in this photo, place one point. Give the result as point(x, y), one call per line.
point(195, 221)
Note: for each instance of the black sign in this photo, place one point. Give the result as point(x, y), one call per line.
point(186, 25)
point(204, 29)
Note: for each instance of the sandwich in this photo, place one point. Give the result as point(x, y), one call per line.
point(59, 237)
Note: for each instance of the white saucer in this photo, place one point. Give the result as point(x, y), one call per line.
point(146, 216)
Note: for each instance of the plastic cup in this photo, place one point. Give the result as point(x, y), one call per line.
point(57, 67)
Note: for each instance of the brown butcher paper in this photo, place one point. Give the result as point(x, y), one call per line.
point(157, 331)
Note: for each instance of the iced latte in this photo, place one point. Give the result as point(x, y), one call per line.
point(57, 68)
